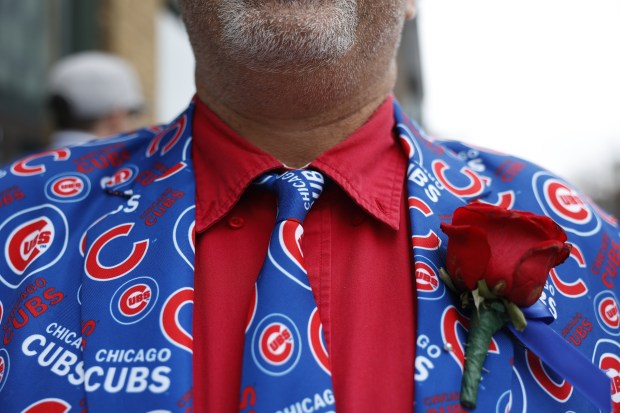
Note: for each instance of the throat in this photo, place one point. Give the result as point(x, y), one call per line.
point(297, 141)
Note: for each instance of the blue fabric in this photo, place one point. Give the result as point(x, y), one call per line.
point(97, 269)
point(445, 175)
point(285, 364)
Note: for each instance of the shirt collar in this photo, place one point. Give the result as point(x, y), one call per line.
point(369, 166)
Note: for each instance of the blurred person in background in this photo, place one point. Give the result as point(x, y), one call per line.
point(92, 95)
point(130, 279)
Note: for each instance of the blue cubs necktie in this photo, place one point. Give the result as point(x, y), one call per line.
point(285, 363)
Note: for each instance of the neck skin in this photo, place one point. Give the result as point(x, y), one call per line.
point(296, 116)
point(288, 128)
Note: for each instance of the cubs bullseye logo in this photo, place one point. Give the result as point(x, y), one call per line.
point(134, 300)
point(564, 205)
point(4, 367)
point(71, 187)
point(50, 405)
point(606, 310)
point(317, 341)
point(276, 345)
point(121, 177)
point(607, 357)
point(33, 240)
point(428, 285)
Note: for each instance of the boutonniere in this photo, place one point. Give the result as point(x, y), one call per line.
point(498, 260)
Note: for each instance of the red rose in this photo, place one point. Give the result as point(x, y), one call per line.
point(513, 251)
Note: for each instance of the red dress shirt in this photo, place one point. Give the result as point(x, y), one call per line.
point(356, 246)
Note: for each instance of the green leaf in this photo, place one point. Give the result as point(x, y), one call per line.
point(516, 315)
point(445, 277)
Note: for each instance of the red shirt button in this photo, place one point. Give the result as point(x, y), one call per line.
point(236, 222)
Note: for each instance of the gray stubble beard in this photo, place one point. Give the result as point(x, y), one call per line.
point(284, 41)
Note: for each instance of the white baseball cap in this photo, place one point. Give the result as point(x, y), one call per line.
point(95, 84)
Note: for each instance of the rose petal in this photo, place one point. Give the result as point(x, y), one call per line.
point(468, 254)
point(532, 271)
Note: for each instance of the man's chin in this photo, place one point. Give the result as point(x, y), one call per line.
point(287, 35)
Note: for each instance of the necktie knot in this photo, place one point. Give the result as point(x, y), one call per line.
point(297, 190)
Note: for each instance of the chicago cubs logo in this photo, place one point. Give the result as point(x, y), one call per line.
point(607, 357)
point(317, 341)
point(418, 204)
point(286, 254)
point(557, 388)
point(430, 241)
point(276, 345)
point(505, 199)
point(134, 300)
point(451, 320)
point(253, 307)
point(4, 367)
point(576, 288)
point(172, 171)
point(121, 177)
point(98, 271)
point(183, 235)
point(409, 143)
point(50, 405)
point(606, 310)
point(27, 242)
point(474, 187)
point(34, 239)
point(176, 129)
point(427, 279)
point(564, 205)
point(69, 187)
point(172, 318)
point(28, 165)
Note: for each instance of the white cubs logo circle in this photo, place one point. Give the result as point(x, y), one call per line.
point(276, 345)
point(134, 300)
point(33, 240)
point(564, 205)
point(606, 310)
point(71, 187)
point(4, 367)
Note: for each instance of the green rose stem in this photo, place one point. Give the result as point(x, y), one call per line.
point(485, 321)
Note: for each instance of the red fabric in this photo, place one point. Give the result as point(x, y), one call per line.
point(357, 249)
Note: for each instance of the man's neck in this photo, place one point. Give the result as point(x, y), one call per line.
point(295, 117)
